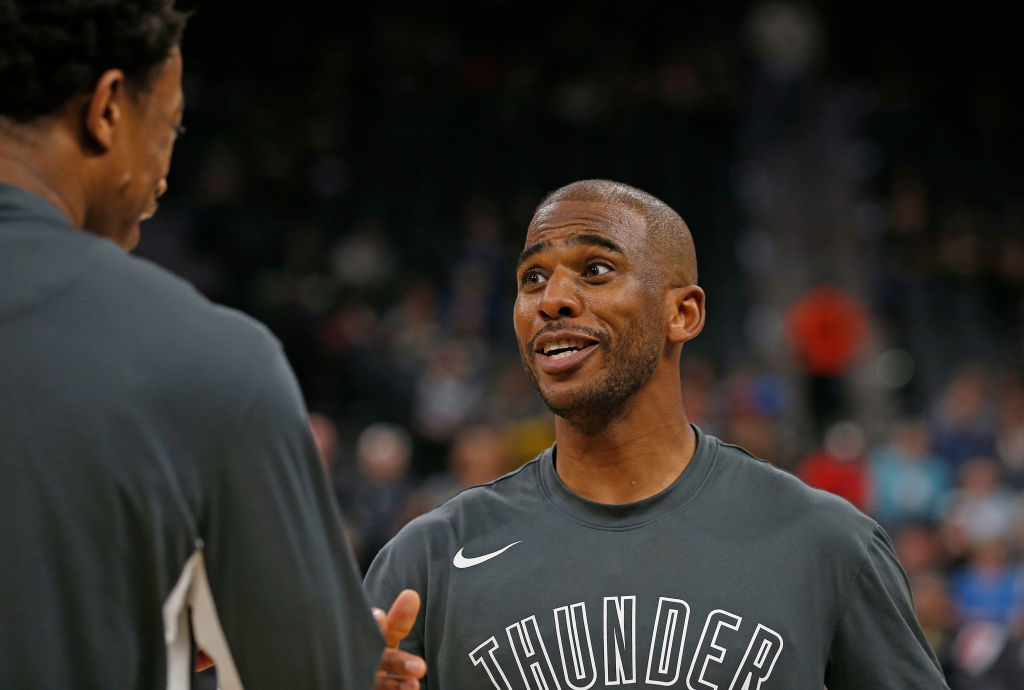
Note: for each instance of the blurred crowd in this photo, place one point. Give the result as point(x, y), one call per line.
point(857, 207)
point(948, 489)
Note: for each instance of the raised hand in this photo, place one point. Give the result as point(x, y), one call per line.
point(399, 670)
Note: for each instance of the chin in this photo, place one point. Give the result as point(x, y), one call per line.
point(130, 239)
point(566, 401)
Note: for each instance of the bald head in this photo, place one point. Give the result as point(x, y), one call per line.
point(668, 238)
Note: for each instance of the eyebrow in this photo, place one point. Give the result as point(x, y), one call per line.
point(582, 239)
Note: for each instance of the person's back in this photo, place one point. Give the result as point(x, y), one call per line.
point(140, 425)
point(160, 483)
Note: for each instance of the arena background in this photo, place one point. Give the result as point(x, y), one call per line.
point(360, 177)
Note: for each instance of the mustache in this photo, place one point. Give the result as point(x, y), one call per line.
point(561, 325)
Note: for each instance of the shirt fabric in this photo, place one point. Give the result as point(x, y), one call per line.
point(156, 459)
point(737, 576)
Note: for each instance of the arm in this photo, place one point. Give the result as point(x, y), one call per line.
point(878, 643)
point(284, 582)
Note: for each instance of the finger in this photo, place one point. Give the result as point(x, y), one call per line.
point(402, 664)
point(401, 617)
point(380, 617)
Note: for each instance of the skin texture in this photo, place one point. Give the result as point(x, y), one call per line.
point(626, 324)
point(142, 157)
point(591, 269)
point(103, 158)
point(668, 237)
point(399, 670)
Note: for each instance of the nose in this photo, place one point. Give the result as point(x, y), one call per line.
point(560, 298)
point(161, 187)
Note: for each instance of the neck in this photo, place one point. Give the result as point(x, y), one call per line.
point(37, 160)
point(635, 455)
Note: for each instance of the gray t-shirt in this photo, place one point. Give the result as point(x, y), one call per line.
point(156, 458)
point(737, 577)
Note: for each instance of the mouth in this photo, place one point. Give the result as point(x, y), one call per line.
point(564, 347)
point(563, 352)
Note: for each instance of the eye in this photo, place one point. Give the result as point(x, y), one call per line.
point(532, 276)
point(596, 269)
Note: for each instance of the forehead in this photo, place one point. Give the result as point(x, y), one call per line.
point(561, 220)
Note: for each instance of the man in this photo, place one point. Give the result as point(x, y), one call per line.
point(159, 477)
point(639, 551)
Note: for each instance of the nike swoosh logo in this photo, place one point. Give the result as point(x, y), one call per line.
point(461, 561)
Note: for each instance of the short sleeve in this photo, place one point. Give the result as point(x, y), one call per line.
point(878, 642)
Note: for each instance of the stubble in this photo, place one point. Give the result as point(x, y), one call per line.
point(629, 365)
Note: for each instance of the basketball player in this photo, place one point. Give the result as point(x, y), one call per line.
point(639, 551)
point(158, 475)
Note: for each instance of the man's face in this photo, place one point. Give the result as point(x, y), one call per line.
point(589, 309)
point(141, 158)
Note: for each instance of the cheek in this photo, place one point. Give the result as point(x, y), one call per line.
point(158, 155)
point(160, 160)
point(636, 309)
point(519, 316)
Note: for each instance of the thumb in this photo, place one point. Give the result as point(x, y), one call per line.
point(401, 617)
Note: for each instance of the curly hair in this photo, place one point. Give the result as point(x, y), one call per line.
point(51, 50)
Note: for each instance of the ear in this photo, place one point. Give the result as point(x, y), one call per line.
point(106, 109)
point(686, 307)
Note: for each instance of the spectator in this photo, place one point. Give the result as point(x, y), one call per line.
point(325, 435)
point(826, 328)
point(963, 425)
point(375, 500)
point(986, 656)
point(919, 548)
point(838, 467)
point(478, 455)
point(1010, 434)
point(982, 508)
point(936, 612)
point(990, 587)
point(909, 483)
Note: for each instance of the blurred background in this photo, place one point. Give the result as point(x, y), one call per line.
point(360, 179)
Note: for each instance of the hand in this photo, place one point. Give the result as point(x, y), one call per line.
point(399, 670)
point(203, 662)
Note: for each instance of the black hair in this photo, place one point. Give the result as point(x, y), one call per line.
point(52, 50)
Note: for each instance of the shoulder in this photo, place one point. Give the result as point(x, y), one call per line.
point(162, 348)
point(759, 493)
point(473, 511)
point(144, 284)
point(429, 543)
point(163, 317)
point(479, 507)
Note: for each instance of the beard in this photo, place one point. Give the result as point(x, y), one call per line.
point(629, 365)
